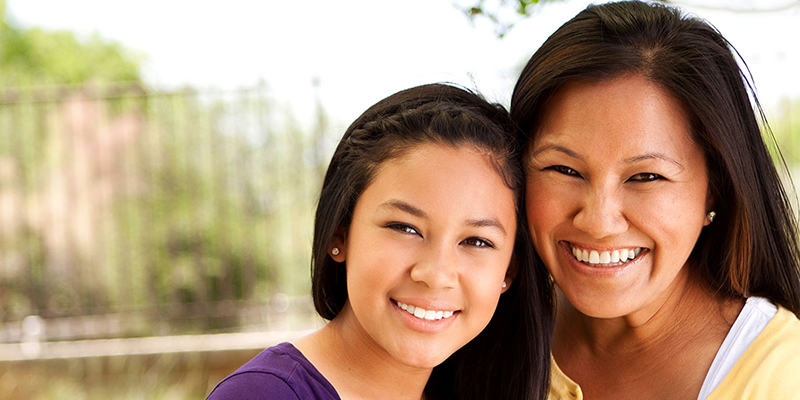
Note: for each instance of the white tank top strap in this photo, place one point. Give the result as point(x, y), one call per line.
point(755, 315)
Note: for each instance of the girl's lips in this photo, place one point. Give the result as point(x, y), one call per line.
point(425, 323)
point(422, 313)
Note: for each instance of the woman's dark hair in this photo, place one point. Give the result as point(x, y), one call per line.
point(512, 355)
point(751, 248)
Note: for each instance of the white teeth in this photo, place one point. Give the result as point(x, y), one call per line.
point(606, 257)
point(421, 313)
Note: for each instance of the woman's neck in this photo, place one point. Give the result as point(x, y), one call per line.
point(356, 366)
point(670, 342)
point(689, 304)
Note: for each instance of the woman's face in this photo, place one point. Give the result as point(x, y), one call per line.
point(617, 194)
point(427, 253)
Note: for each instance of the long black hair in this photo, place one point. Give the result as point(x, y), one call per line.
point(510, 359)
point(751, 248)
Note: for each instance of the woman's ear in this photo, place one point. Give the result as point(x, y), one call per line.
point(511, 273)
point(710, 213)
point(337, 249)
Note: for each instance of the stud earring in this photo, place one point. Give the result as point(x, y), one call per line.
point(710, 216)
point(335, 251)
point(504, 285)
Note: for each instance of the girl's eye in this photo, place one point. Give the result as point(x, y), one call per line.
point(645, 177)
point(477, 242)
point(564, 170)
point(403, 228)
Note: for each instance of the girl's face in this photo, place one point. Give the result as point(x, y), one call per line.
point(427, 253)
point(617, 194)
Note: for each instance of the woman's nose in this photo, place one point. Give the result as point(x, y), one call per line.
point(600, 214)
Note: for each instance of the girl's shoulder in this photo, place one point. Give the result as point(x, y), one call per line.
point(279, 372)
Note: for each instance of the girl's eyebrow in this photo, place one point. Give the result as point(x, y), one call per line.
point(476, 223)
point(405, 207)
point(490, 222)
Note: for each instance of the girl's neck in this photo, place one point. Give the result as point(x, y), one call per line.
point(356, 366)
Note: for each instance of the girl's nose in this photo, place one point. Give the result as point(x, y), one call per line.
point(437, 268)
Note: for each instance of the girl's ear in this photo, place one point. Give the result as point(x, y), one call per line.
point(511, 273)
point(337, 249)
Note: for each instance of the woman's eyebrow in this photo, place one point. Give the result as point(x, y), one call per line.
point(654, 156)
point(558, 148)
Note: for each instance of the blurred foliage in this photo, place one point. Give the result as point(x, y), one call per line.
point(117, 198)
point(786, 128)
point(502, 14)
point(36, 57)
point(174, 200)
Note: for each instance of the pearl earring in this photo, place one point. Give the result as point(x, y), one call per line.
point(335, 251)
point(504, 284)
point(710, 216)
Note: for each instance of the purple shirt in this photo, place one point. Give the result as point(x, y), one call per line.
point(279, 372)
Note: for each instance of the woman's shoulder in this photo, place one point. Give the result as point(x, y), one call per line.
point(768, 367)
point(777, 340)
point(279, 372)
point(561, 386)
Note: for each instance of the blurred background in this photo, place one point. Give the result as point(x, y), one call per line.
point(160, 162)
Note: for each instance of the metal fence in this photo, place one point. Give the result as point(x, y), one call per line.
point(131, 212)
point(126, 211)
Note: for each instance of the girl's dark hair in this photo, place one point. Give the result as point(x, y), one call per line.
point(751, 247)
point(512, 355)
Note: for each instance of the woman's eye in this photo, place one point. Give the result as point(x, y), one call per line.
point(564, 170)
point(645, 177)
point(403, 228)
point(477, 242)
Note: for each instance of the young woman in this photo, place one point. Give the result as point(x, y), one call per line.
point(654, 203)
point(417, 238)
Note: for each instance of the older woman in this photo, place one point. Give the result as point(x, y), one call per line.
point(654, 203)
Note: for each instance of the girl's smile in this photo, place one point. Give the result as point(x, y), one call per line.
point(422, 320)
point(427, 253)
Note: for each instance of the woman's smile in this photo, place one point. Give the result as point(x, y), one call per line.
point(605, 258)
point(615, 227)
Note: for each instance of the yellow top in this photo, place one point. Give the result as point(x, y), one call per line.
point(768, 369)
